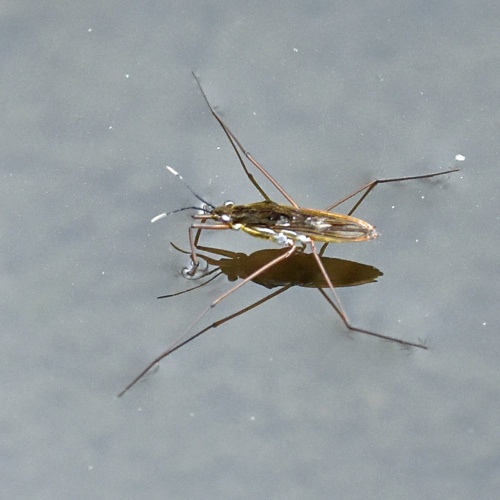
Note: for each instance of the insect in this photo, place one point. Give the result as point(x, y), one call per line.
point(290, 226)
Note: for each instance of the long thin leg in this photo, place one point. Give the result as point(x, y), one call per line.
point(177, 345)
point(256, 273)
point(252, 276)
point(215, 270)
point(368, 332)
point(193, 242)
point(341, 312)
point(368, 187)
point(237, 144)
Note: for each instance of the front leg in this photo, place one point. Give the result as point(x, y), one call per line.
point(192, 271)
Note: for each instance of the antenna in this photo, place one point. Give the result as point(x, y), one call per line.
point(179, 176)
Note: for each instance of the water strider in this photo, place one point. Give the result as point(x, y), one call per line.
point(290, 226)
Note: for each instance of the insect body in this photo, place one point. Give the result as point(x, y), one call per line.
point(290, 226)
point(287, 225)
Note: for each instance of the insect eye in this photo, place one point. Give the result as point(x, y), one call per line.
point(228, 203)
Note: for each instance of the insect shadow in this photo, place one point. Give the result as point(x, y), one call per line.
point(300, 269)
point(292, 227)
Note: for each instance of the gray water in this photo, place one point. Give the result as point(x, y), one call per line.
point(280, 403)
